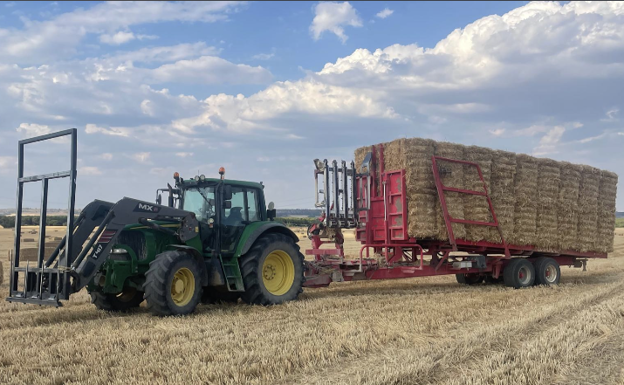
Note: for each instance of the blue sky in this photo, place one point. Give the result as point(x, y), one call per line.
point(264, 88)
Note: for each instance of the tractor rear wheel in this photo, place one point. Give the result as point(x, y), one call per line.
point(173, 284)
point(272, 271)
point(128, 299)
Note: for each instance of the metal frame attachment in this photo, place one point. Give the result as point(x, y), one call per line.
point(55, 279)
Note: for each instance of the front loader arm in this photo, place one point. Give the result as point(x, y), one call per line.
point(126, 211)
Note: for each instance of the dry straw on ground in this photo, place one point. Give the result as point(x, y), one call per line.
point(539, 202)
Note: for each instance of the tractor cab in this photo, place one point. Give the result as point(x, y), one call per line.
point(223, 208)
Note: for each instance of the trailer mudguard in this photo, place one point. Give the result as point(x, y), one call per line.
point(255, 230)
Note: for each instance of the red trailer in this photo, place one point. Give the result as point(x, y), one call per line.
point(378, 214)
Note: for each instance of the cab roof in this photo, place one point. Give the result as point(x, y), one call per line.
point(232, 182)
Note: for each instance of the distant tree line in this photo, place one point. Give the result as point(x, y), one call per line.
point(8, 222)
point(298, 222)
point(298, 212)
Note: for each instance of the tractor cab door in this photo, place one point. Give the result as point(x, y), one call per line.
point(242, 209)
point(202, 202)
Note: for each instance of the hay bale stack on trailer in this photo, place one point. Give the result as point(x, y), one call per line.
point(549, 205)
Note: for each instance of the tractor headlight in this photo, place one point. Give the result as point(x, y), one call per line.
point(119, 251)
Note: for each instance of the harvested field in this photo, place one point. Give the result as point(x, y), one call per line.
point(427, 330)
point(553, 206)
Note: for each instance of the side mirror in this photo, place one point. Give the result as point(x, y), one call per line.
point(227, 192)
point(159, 199)
point(271, 211)
point(227, 204)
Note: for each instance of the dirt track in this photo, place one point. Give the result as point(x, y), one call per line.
point(422, 331)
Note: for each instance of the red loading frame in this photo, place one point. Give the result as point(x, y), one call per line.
point(383, 227)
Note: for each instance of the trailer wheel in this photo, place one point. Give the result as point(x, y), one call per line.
point(547, 271)
point(469, 279)
point(272, 271)
point(519, 273)
point(129, 298)
point(173, 284)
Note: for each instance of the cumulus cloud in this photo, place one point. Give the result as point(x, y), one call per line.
point(141, 157)
point(112, 131)
point(89, 170)
point(118, 38)
point(384, 13)
point(209, 70)
point(549, 142)
point(263, 56)
point(333, 17)
point(30, 129)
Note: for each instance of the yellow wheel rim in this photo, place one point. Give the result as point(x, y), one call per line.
point(278, 272)
point(182, 286)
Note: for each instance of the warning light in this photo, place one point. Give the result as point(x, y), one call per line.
point(221, 172)
point(176, 175)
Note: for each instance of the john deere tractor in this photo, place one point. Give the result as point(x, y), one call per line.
point(215, 240)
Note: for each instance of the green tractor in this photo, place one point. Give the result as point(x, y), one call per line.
point(215, 240)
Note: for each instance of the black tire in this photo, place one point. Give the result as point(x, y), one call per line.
point(130, 298)
point(519, 273)
point(547, 271)
point(162, 277)
point(219, 295)
point(469, 279)
point(252, 265)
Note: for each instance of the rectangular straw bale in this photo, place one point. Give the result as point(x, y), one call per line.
point(525, 208)
point(422, 194)
point(502, 193)
point(588, 208)
point(476, 207)
point(453, 177)
point(567, 205)
point(548, 180)
point(606, 211)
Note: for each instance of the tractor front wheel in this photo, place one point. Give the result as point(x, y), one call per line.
point(173, 284)
point(272, 271)
point(128, 299)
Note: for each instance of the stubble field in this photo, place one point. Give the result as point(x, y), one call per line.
point(415, 331)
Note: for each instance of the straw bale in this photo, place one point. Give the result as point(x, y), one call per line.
point(567, 205)
point(452, 175)
point(606, 211)
point(548, 180)
point(588, 208)
point(502, 193)
point(525, 207)
point(422, 194)
point(476, 207)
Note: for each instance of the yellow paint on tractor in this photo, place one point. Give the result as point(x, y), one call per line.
point(182, 286)
point(278, 272)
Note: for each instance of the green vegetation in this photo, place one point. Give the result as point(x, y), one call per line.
point(619, 222)
point(296, 222)
point(53, 220)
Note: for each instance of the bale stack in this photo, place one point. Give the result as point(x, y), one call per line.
point(607, 192)
point(422, 194)
point(502, 192)
point(548, 180)
point(588, 208)
point(525, 208)
point(476, 207)
point(567, 204)
point(452, 176)
point(554, 206)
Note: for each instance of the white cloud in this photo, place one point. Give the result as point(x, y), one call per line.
point(147, 107)
point(112, 131)
point(497, 132)
point(209, 70)
point(107, 156)
point(384, 13)
point(263, 159)
point(611, 115)
point(118, 38)
point(333, 17)
point(30, 129)
point(7, 164)
point(141, 157)
point(263, 56)
point(89, 170)
point(549, 142)
point(184, 154)
point(58, 37)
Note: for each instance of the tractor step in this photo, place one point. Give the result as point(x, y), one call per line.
point(232, 274)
